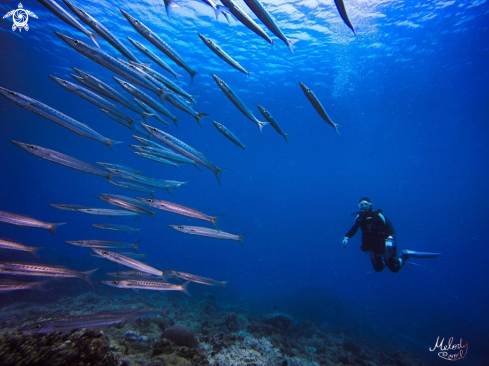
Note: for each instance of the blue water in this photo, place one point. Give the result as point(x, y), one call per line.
point(410, 93)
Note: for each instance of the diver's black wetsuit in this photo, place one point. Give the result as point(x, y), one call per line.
point(376, 228)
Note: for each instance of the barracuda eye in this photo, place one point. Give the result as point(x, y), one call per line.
point(79, 241)
point(180, 226)
point(32, 147)
point(76, 42)
point(153, 129)
point(38, 326)
point(105, 253)
point(115, 282)
point(136, 22)
point(11, 93)
point(149, 200)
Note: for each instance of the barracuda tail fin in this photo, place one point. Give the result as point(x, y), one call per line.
point(336, 125)
point(261, 124)
point(34, 251)
point(192, 74)
point(135, 245)
point(41, 286)
point(199, 116)
point(52, 227)
point(111, 142)
point(94, 37)
point(241, 238)
point(291, 42)
point(223, 285)
point(86, 276)
point(184, 288)
point(220, 9)
point(218, 172)
point(214, 221)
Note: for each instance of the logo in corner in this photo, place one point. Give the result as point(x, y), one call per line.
point(451, 351)
point(20, 17)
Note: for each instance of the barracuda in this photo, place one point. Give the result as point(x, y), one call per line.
point(153, 56)
point(184, 149)
point(112, 63)
point(101, 30)
point(223, 55)
point(61, 159)
point(262, 14)
point(26, 221)
point(56, 116)
point(178, 209)
point(148, 285)
point(272, 121)
point(204, 231)
point(68, 18)
point(238, 102)
point(318, 106)
point(128, 262)
point(231, 136)
point(7, 244)
point(159, 43)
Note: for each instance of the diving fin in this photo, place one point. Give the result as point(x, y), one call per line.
point(406, 254)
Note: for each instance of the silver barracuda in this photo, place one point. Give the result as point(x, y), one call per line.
point(153, 57)
point(67, 207)
point(205, 231)
point(146, 98)
point(262, 14)
point(33, 269)
point(7, 244)
point(110, 92)
point(61, 159)
point(167, 82)
point(128, 262)
point(91, 97)
point(107, 212)
point(223, 55)
point(101, 30)
point(156, 158)
point(244, 18)
point(164, 154)
point(132, 274)
point(7, 286)
point(318, 106)
point(56, 116)
point(104, 244)
point(132, 187)
point(197, 279)
point(272, 121)
point(238, 102)
point(185, 106)
point(159, 43)
point(215, 7)
point(150, 111)
point(178, 209)
point(133, 126)
point(86, 84)
point(68, 18)
point(340, 5)
point(231, 136)
point(141, 179)
point(184, 149)
point(26, 221)
point(119, 67)
point(115, 227)
point(72, 322)
point(148, 285)
point(150, 143)
point(118, 166)
point(124, 203)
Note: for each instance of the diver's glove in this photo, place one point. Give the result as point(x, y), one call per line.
point(345, 241)
point(389, 242)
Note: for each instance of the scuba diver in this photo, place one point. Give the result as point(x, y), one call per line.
point(378, 238)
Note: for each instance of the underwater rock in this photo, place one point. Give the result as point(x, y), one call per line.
point(181, 335)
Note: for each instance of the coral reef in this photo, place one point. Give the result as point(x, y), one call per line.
point(192, 332)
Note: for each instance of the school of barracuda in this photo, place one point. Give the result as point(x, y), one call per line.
point(132, 75)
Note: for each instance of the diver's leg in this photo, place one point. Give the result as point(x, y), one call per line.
point(377, 260)
point(390, 254)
